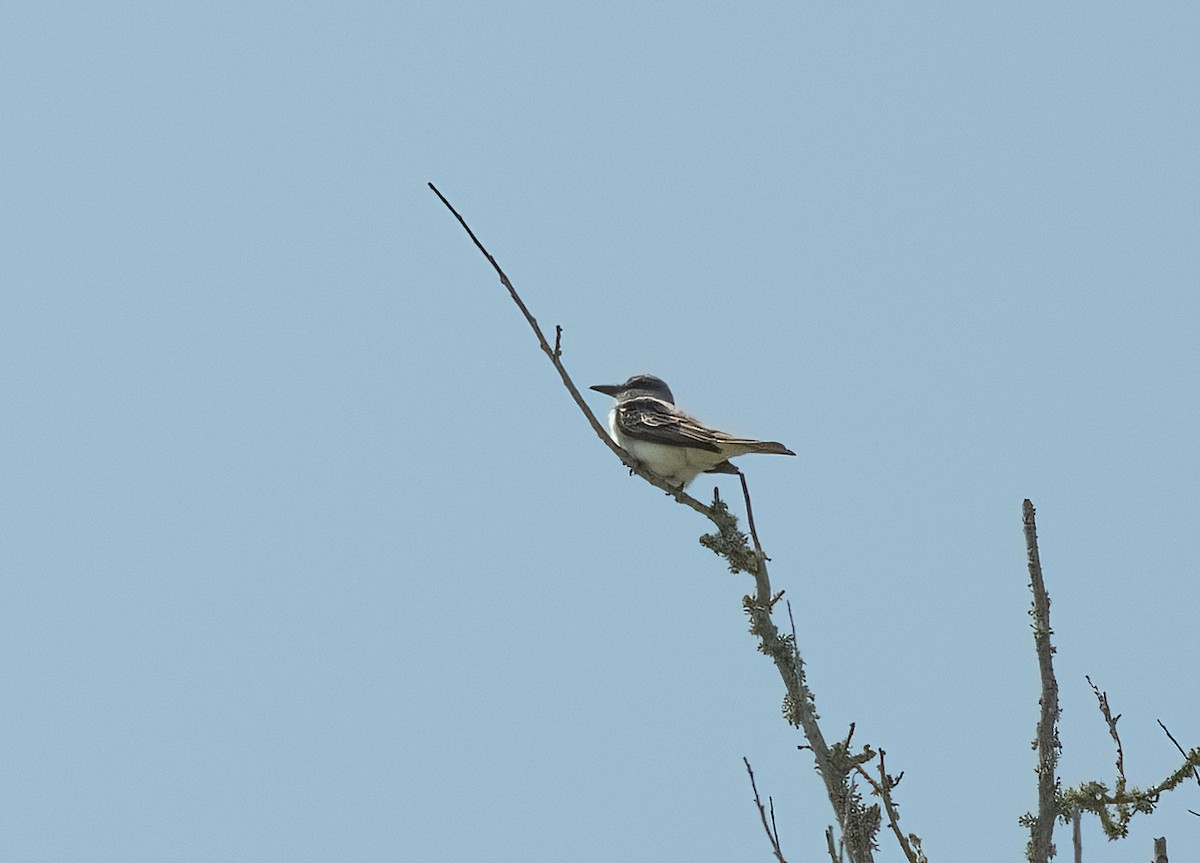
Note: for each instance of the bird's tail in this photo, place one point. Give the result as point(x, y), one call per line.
point(770, 446)
point(741, 446)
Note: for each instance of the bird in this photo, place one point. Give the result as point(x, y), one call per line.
point(646, 424)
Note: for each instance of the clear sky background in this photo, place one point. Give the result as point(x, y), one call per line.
point(306, 554)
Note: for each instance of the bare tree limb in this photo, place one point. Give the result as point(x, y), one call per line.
point(1041, 827)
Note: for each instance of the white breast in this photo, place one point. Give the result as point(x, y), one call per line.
point(676, 464)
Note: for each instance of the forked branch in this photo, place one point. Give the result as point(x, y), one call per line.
point(1114, 808)
point(768, 826)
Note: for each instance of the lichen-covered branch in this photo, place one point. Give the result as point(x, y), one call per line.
point(1115, 809)
point(859, 822)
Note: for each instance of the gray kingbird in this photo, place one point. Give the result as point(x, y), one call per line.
point(646, 424)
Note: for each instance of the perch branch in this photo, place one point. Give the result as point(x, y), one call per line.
point(859, 823)
point(554, 354)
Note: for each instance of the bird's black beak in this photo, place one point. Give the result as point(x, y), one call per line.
point(607, 389)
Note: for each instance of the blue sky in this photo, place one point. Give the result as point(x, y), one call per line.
point(308, 556)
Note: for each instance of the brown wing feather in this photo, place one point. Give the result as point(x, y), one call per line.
point(653, 420)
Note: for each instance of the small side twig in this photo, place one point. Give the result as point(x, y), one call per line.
point(1102, 698)
point(771, 830)
point(750, 517)
point(882, 788)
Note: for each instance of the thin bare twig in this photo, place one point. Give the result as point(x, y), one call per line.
point(554, 354)
point(1047, 744)
point(1183, 752)
point(774, 826)
point(750, 517)
point(771, 830)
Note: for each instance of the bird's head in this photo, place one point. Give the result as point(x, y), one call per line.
point(638, 385)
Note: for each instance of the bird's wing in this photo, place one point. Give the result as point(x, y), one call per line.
point(655, 420)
